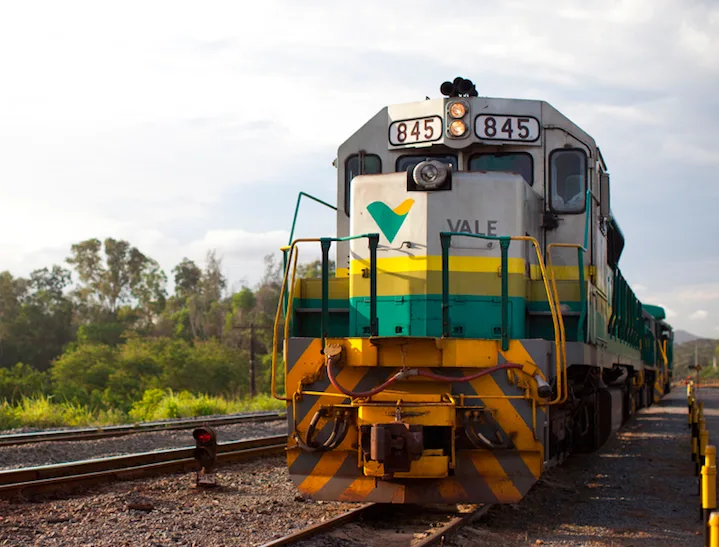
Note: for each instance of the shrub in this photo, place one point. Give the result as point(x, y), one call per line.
point(22, 381)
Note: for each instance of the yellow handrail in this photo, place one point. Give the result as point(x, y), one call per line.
point(560, 373)
point(559, 306)
point(291, 261)
point(663, 351)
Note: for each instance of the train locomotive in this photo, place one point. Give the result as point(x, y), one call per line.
point(477, 328)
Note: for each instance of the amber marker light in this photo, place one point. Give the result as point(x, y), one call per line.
point(457, 110)
point(457, 128)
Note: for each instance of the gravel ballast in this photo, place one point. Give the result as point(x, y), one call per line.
point(46, 453)
point(256, 503)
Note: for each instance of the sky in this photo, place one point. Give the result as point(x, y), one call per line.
point(184, 126)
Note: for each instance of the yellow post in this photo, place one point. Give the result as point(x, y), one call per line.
point(714, 530)
point(695, 428)
point(703, 440)
point(709, 495)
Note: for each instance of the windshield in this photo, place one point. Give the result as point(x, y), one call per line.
point(509, 162)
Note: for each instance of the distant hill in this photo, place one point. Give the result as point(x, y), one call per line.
point(705, 349)
point(681, 336)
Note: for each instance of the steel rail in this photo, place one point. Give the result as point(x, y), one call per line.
point(31, 480)
point(88, 433)
point(321, 527)
point(438, 536)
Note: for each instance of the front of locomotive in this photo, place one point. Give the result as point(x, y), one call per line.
point(411, 376)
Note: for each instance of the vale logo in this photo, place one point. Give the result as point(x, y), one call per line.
point(390, 220)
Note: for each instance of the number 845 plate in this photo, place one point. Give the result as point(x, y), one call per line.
point(506, 128)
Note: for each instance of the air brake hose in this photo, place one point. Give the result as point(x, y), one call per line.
point(411, 372)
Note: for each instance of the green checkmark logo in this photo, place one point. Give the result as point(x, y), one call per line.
point(389, 220)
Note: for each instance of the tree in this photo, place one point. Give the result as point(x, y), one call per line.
point(206, 311)
point(36, 318)
point(187, 278)
point(122, 275)
point(313, 270)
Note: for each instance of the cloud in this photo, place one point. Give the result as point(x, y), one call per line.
point(182, 129)
point(699, 314)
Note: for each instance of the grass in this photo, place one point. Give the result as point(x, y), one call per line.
point(156, 404)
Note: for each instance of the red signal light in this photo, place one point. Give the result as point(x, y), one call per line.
point(204, 437)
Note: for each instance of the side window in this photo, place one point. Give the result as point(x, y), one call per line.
point(370, 164)
point(510, 162)
point(409, 162)
point(567, 181)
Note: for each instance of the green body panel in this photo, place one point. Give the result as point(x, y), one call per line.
point(417, 315)
point(421, 315)
point(307, 318)
point(540, 324)
point(655, 311)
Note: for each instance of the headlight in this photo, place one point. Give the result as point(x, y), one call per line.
point(430, 174)
point(457, 110)
point(457, 128)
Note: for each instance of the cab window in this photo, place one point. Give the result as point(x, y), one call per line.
point(567, 181)
point(509, 162)
point(371, 164)
point(409, 162)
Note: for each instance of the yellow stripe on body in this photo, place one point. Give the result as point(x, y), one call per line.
point(338, 288)
point(563, 273)
point(403, 264)
point(324, 471)
point(507, 416)
point(487, 284)
point(491, 471)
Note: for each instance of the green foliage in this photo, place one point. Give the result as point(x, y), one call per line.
point(44, 412)
point(123, 274)
point(157, 404)
point(36, 318)
point(82, 373)
point(94, 353)
point(22, 381)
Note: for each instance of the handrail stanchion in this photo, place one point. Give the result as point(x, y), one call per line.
point(504, 248)
point(325, 242)
point(445, 240)
point(373, 322)
point(582, 296)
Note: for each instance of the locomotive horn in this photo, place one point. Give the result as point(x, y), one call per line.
point(447, 88)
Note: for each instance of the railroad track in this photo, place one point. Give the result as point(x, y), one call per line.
point(378, 512)
point(88, 433)
point(29, 481)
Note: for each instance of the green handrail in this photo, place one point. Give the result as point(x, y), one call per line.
point(326, 242)
point(587, 214)
point(582, 294)
point(504, 241)
point(292, 234)
point(297, 210)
